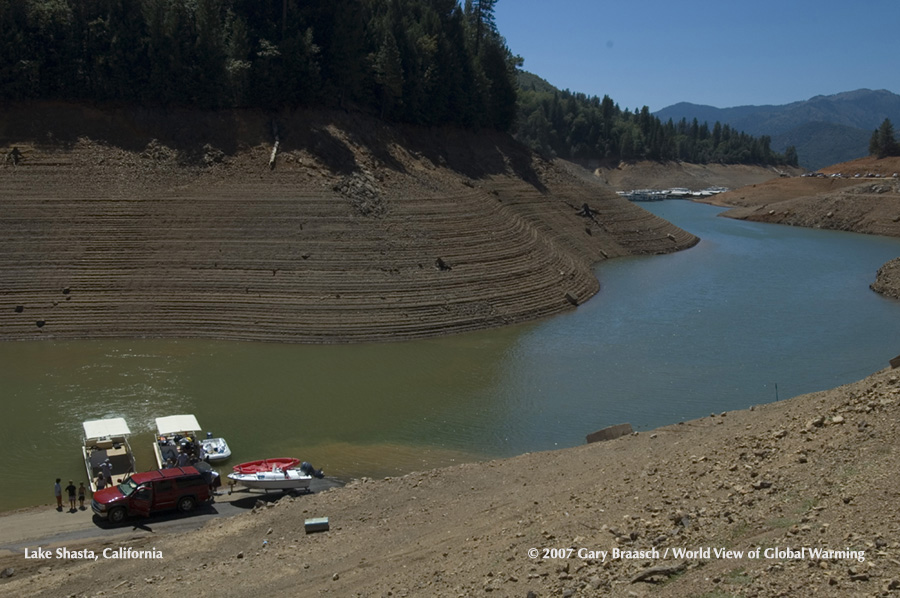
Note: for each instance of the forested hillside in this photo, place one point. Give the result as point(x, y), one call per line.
point(431, 62)
point(576, 126)
point(419, 61)
point(825, 129)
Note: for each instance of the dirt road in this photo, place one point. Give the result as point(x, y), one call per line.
point(46, 527)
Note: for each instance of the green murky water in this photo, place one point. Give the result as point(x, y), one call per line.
point(671, 337)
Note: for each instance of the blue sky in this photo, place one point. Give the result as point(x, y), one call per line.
point(723, 53)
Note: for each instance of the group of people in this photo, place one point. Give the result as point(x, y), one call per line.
point(181, 451)
point(105, 477)
point(72, 491)
point(79, 493)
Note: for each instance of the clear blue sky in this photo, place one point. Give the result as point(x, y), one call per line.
point(723, 53)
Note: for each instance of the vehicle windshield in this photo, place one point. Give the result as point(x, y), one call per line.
point(127, 487)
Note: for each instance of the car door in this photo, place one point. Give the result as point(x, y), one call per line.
point(166, 495)
point(141, 502)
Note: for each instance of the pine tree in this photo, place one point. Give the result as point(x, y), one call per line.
point(388, 73)
point(790, 156)
point(885, 144)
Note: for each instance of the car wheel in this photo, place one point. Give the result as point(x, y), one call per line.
point(186, 503)
point(117, 515)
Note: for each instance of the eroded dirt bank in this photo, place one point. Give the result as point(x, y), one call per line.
point(664, 175)
point(135, 223)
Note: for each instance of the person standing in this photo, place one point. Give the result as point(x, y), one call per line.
point(106, 472)
point(81, 493)
point(70, 490)
point(57, 490)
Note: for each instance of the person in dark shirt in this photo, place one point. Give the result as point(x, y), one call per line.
point(57, 491)
point(71, 489)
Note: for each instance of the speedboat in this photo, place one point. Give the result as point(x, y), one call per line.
point(216, 449)
point(107, 440)
point(178, 442)
point(275, 474)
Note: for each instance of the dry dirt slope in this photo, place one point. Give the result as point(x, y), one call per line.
point(137, 224)
point(814, 473)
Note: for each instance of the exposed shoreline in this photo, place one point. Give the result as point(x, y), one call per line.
point(135, 224)
point(130, 224)
point(811, 472)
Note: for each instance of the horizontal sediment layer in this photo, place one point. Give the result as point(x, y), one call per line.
point(102, 240)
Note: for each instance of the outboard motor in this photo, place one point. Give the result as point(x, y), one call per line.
point(306, 468)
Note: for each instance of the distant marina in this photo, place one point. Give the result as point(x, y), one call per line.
point(673, 193)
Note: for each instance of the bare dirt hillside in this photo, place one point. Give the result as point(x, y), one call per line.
point(861, 196)
point(664, 175)
point(136, 223)
point(802, 492)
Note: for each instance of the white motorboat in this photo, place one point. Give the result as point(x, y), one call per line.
point(289, 479)
point(178, 442)
point(106, 440)
point(275, 474)
point(215, 449)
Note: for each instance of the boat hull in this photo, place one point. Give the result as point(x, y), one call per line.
point(289, 479)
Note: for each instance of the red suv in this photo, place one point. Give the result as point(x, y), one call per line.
point(145, 494)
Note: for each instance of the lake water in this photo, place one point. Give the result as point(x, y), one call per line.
point(752, 312)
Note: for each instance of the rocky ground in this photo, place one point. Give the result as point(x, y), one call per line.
point(791, 480)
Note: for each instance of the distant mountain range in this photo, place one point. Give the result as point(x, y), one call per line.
point(824, 129)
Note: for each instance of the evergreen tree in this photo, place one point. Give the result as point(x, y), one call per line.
point(589, 128)
point(882, 142)
point(388, 73)
point(790, 156)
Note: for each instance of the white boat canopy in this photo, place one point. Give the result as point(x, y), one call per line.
point(105, 428)
point(176, 423)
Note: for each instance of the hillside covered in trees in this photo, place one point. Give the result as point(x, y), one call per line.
point(422, 61)
point(428, 62)
point(576, 126)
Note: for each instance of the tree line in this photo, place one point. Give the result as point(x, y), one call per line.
point(882, 143)
point(431, 62)
point(576, 126)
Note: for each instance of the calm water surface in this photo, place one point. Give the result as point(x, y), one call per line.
point(669, 338)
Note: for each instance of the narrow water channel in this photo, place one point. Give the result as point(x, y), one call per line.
point(752, 312)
